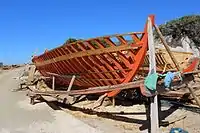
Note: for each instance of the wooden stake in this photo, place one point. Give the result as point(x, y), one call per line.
point(53, 83)
point(71, 83)
point(194, 95)
point(113, 101)
point(167, 47)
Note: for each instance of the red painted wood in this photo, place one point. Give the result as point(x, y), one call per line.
point(98, 70)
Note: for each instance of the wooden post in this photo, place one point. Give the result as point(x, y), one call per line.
point(113, 101)
point(53, 83)
point(167, 47)
point(71, 83)
point(152, 69)
point(194, 95)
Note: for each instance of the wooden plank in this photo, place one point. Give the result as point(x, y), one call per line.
point(152, 69)
point(94, 90)
point(87, 53)
point(71, 83)
point(194, 95)
point(79, 77)
point(53, 83)
point(167, 48)
point(83, 66)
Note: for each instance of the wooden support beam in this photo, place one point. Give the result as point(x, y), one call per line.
point(53, 83)
point(71, 83)
point(167, 47)
point(82, 78)
point(113, 101)
point(152, 69)
point(93, 90)
point(194, 95)
point(89, 53)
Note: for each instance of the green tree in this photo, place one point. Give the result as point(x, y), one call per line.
point(70, 40)
point(184, 26)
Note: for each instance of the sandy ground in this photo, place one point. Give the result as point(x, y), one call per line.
point(128, 119)
point(18, 116)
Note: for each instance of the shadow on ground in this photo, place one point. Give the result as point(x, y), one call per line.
point(119, 116)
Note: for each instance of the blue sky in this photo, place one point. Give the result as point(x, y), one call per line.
point(29, 26)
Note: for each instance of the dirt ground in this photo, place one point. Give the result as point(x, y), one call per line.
point(18, 115)
point(133, 118)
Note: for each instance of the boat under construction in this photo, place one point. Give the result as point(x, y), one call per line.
point(109, 64)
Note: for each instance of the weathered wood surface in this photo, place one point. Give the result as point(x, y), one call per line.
point(101, 61)
point(89, 53)
point(167, 48)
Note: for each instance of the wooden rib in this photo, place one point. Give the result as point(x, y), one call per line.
point(56, 67)
point(80, 65)
point(104, 79)
point(115, 61)
point(65, 62)
point(60, 64)
point(101, 67)
point(106, 60)
point(45, 67)
point(162, 59)
point(122, 40)
point(58, 53)
point(53, 64)
point(158, 62)
point(159, 58)
point(94, 59)
point(70, 67)
point(105, 64)
point(64, 65)
point(47, 57)
point(84, 62)
point(110, 68)
point(135, 38)
point(77, 77)
point(122, 57)
point(49, 66)
point(94, 70)
point(86, 53)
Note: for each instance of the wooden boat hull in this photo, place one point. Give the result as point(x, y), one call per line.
point(100, 61)
point(98, 65)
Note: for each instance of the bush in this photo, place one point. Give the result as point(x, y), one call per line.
point(184, 26)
